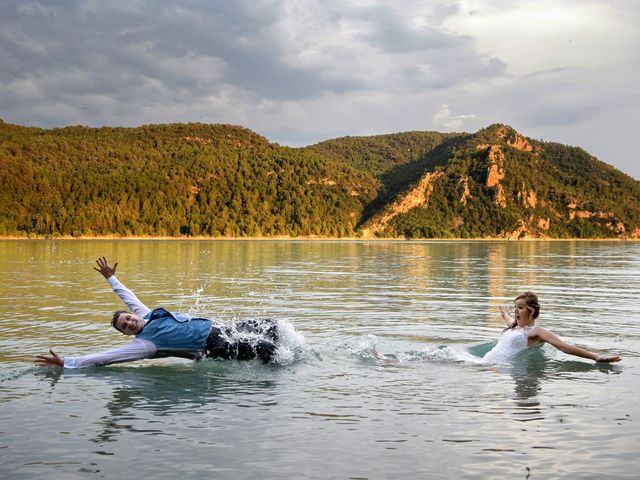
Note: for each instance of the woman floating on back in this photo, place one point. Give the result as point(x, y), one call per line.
point(522, 333)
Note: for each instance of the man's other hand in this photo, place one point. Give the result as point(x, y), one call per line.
point(105, 269)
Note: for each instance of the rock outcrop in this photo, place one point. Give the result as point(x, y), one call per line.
point(200, 140)
point(495, 172)
point(321, 181)
point(529, 229)
point(418, 196)
point(513, 139)
point(528, 197)
point(466, 193)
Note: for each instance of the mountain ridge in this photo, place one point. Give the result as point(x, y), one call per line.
point(228, 181)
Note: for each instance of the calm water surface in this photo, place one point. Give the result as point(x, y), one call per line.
point(330, 411)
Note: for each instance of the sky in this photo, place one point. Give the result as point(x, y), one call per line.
point(302, 71)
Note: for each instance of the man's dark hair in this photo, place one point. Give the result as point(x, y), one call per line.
point(117, 314)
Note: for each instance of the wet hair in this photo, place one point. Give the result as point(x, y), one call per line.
point(116, 315)
point(531, 299)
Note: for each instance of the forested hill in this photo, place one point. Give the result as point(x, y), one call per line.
point(172, 180)
point(494, 183)
point(222, 180)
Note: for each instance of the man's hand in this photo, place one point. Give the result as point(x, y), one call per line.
point(53, 360)
point(105, 269)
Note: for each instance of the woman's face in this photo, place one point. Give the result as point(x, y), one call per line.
point(522, 311)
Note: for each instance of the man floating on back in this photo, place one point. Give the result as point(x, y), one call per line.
point(160, 333)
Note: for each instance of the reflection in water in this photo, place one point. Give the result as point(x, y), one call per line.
point(532, 367)
point(529, 369)
point(170, 390)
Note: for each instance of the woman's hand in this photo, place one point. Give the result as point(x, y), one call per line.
point(53, 360)
point(508, 319)
point(608, 358)
point(105, 269)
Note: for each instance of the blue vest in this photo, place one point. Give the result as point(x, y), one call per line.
point(176, 334)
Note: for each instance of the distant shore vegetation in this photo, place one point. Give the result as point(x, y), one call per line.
point(223, 181)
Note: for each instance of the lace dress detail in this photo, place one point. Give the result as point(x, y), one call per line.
point(510, 343)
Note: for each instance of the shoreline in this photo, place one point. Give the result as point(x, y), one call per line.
point(311, 238)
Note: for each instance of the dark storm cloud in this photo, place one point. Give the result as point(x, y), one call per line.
point(110, 45)
point(388, 31)
point(136, 52)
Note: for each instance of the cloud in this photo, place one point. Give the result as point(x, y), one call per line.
point(443, 118)
point(271, 50)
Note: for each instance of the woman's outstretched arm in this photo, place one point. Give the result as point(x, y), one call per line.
point(545, 335)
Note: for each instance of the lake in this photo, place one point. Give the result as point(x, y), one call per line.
point(330, 409)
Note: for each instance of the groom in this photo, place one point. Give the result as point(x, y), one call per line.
point(160, 333)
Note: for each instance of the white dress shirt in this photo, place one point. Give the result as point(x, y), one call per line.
point(135, 350)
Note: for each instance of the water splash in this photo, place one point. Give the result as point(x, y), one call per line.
point(443, 353)
point(291, 345)
point(366, 347)
point(200, 300)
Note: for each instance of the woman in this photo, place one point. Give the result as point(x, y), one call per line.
point(522, 333)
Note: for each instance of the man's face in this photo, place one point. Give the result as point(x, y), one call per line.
point(129, 324)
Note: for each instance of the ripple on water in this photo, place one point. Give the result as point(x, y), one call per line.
point(329, 407)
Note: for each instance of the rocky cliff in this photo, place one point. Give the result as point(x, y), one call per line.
point(525, 189)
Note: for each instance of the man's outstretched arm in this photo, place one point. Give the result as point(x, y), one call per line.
point(126, 295)
point(136, 350)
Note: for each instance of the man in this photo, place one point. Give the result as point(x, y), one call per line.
point(160, 333)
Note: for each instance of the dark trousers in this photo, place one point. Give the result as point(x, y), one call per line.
point(224, 341)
